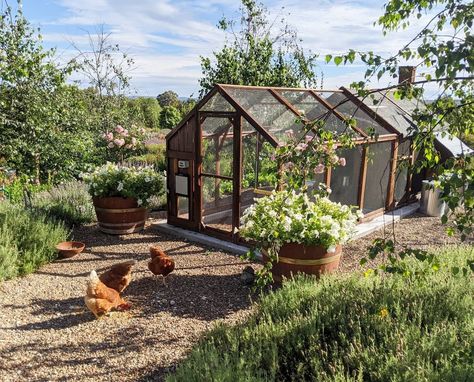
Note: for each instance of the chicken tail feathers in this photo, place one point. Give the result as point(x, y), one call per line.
point(93, 278)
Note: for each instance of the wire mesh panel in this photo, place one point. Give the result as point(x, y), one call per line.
point(378, 173)
point(306, 103)
point(401, 176)
point(217, 146)
point(267, 110)
point(217, 103)
point(217, 203)
point(350, 110)
point(259, 168)
point(345, 180)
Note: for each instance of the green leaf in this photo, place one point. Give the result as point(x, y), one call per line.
point(328, 58)
point(338, 60)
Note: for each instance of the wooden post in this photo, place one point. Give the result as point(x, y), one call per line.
point(217, 181)
point(197, 195)
point(237, 175)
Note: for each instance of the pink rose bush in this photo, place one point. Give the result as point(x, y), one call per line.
point(122, 141)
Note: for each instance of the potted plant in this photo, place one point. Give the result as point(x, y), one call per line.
point(298, 234)
point(121, 194)
point(298, 229)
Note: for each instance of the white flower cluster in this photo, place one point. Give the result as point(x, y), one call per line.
point(141, 183)
point(289, 217)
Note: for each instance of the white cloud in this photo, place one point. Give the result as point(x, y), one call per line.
point(167, 37)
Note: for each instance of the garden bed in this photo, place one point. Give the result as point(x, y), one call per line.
point(46, 334)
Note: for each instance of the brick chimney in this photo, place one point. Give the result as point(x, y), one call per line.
point(406, 75)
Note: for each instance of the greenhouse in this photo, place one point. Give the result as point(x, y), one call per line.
point(221, 156)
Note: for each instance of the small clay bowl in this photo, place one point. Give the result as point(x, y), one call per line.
point(70, 248)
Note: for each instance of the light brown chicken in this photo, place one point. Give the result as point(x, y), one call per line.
point(100, 299)
point(160, 263)
point(118, 276)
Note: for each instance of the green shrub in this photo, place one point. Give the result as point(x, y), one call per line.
point(14, 191)
point(350, 328)
point(27, 240)
point(154, 156)
point(69, 202)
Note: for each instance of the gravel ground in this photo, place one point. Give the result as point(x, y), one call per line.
point(46, 334)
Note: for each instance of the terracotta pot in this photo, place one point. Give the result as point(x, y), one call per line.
point(296, 258)
point(119, 216)
point(69, 249)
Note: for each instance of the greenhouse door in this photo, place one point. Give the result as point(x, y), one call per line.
point(219, 174)
point(180, 190)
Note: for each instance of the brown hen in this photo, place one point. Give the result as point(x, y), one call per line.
point(160, 263)
point(118, 276)
point(100, 299)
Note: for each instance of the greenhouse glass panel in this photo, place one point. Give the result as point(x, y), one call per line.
point(378, 172)
point(351, 110)
point(345, 180)
point(217, 146)
point(217, 103)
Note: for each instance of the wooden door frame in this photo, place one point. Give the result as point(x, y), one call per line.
point(235, 119)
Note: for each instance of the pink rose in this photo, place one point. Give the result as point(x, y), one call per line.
point(110, 145)
point(109, 137)
point(319, 169)
point(119, 142)
point(134, 141)
point(125, 132)
point(129, 146)
point(308, 138)
point(273, 157)
point(342, 162)
point(301, 146)
point(119, 129)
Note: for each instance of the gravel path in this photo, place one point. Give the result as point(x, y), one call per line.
point(46, 334)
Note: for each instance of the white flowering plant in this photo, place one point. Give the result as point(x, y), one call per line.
point(289, 217)
point(141, 183)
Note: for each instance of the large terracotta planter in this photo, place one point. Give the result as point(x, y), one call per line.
point(298, 258)
point(119, 216)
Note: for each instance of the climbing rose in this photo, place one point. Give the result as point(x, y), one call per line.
point(342, 162)
point(319, 169)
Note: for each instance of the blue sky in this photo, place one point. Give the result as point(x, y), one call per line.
point(167, 37)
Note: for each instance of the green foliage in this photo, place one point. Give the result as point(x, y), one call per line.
point(349, 328)
point(155, 155)
point(442, 50)
point(140, 183)
point(27, 240)
point(145, 112)
point(257, 52)
point(15, 190)
point(168, 98)
point(69, 202)
point(47, 126)
point(169, 117)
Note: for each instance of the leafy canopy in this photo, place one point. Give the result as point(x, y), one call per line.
point(258, 51)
